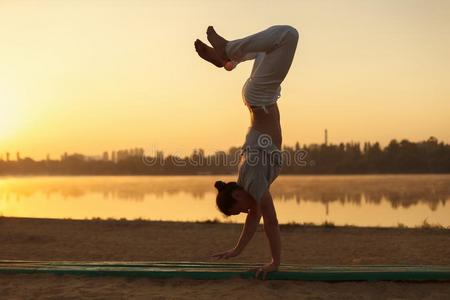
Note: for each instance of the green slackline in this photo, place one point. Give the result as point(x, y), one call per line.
point(211, 270)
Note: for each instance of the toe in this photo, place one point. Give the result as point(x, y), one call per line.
point(199, 44)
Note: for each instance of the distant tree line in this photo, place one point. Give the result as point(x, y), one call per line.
point(430, 156)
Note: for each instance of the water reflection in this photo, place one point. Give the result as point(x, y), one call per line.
point(398, 190)
point(394, 191)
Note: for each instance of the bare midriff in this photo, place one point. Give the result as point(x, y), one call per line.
point(267, 122)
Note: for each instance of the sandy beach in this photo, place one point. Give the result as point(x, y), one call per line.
point(96, 240)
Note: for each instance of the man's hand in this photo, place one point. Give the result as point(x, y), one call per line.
point(270, 267)
point(227, 254)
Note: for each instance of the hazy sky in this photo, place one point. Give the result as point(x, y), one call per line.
point(89, 76)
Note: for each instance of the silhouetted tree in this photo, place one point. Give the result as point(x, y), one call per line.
point(430, 156)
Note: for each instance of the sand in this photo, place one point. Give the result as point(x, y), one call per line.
point(50, 239)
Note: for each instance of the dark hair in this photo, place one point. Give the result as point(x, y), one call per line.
point(224, 199)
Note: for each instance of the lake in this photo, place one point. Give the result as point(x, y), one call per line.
point(361, 200)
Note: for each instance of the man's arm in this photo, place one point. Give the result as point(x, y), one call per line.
point(249, 229)
point(271, 227)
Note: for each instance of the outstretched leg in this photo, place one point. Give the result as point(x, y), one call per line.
point(263, 41)
point(277, 42)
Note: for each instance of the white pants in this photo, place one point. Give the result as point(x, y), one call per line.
point(273, 50)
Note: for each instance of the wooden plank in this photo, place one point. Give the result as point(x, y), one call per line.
point(213, 270)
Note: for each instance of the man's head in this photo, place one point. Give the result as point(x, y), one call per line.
point(231, 198)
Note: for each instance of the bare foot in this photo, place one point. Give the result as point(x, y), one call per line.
point(217, 42)
point(208, 53)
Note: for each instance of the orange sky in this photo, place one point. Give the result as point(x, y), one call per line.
point(89, 76)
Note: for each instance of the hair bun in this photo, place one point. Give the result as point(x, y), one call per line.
point(219, 185)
